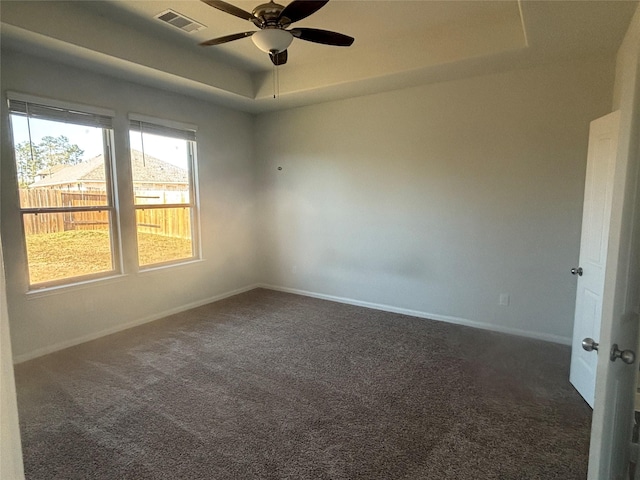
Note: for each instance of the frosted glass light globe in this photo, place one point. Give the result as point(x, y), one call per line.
point(272, 40)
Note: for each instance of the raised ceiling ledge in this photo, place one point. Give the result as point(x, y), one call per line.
point(60, 23)
point(23, 41)
point(399, 44)
point(416, 51)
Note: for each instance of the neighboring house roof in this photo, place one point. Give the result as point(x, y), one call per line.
point(70, 173)
point(147, 170)
point(45, 172)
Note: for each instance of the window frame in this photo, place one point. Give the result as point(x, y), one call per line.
point(67, 112)
point(141, 124)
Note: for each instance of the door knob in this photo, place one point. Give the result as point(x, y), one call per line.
point(589, 344)
point(627, 356)
point(576, 271)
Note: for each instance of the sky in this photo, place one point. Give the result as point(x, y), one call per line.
point(170, 150)
point(89, 139)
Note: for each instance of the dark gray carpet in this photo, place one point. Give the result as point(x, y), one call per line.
point(268, 385)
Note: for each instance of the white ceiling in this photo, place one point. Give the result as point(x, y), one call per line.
point(399, 43)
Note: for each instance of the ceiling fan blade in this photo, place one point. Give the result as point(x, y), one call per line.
point(322, 36)
point(226, 38)
point(228, 8)
point(279, 58)
point(299, 9)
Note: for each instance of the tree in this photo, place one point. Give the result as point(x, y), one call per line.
point(58, 151)
point(51, 151)
point(28, 161)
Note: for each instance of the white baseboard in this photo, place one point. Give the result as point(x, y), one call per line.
point(431, 316)
point(376, 306)
point(102, 333)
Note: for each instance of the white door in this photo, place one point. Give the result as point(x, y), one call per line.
point(594, 242)
point(607, 299)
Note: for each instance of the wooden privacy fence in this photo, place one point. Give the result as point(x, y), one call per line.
point(171, 222)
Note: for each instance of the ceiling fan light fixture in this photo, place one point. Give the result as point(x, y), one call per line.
point(272, 40)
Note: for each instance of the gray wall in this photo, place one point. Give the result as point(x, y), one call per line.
point(432, 200)
point(435, 200)
point(42, 322)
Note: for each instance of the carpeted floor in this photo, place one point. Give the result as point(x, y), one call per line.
point(268, 385)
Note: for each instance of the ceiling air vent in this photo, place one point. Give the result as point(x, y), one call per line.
point(180, 21)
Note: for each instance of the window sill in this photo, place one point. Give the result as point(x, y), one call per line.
point(72, 287)
point(169, 266)
point(97, 282)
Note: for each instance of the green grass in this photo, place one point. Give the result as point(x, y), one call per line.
point(54, 256)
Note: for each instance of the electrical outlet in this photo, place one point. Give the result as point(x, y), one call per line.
point(503, 299)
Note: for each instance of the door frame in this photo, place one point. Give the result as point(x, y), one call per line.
point(621, 304)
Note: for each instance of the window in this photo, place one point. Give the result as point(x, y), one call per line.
point(162, 165)
point(63, 164)
point(67, 191)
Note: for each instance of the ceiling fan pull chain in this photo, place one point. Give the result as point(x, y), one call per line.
point(276, 81)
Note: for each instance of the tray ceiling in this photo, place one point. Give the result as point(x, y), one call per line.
point(398, 44)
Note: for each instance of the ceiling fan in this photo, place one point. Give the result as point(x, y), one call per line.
point(273, 19)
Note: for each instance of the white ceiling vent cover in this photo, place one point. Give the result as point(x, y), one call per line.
point(180, 21)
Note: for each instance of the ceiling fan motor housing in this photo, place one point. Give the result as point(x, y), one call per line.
point(267, 15)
